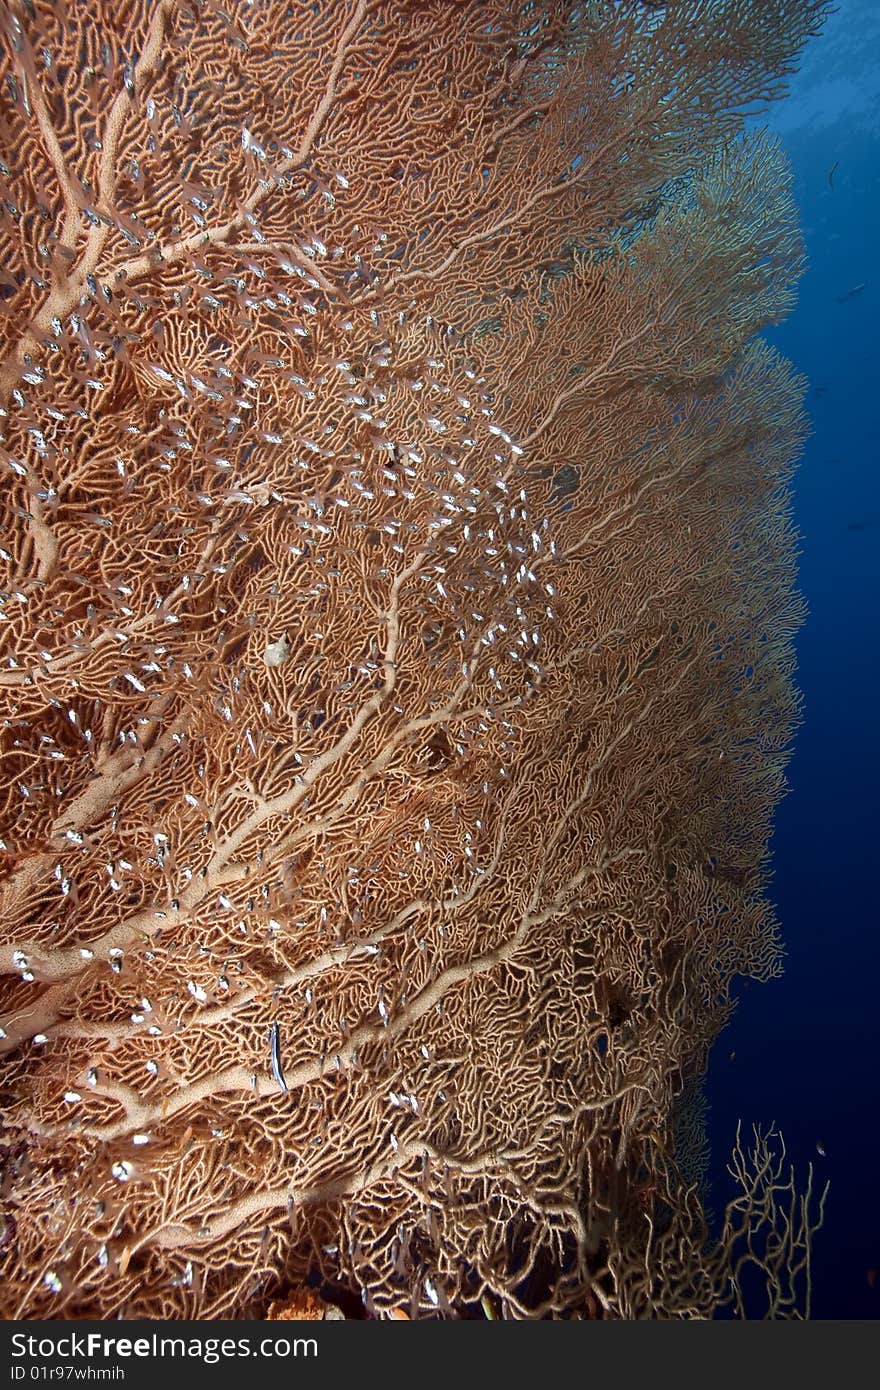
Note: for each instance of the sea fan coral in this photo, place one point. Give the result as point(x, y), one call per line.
point(396, 642)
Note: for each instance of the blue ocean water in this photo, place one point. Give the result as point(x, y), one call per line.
point(807, 1047)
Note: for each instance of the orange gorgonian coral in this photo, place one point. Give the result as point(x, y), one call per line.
point(396, 645)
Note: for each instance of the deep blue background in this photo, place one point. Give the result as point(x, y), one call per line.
point(807, 1053)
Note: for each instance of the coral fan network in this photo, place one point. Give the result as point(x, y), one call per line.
point(396, 608)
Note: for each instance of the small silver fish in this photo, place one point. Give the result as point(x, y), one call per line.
point(277, 652)
point(275, 1049)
